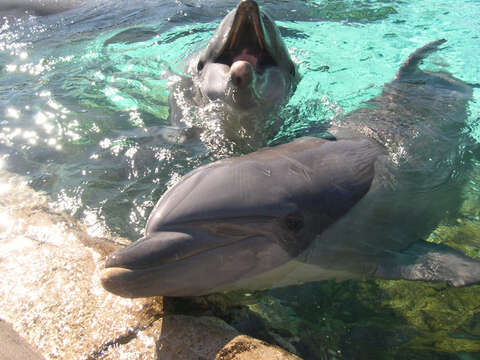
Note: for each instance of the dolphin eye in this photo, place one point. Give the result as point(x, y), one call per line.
point(294, 222)
point(200, 65)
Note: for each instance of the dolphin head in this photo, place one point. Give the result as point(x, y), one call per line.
point(246, 63)
point(196, 242)
point(225, 224)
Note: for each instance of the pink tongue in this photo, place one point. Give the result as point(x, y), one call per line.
point(247, 57)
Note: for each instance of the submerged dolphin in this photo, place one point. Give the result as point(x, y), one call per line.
point(313, 209)
point(245, 64)
point(38, 7)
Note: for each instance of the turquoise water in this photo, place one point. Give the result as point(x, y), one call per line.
point(84, 113)
point(97, 88)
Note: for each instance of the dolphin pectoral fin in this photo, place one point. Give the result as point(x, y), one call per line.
point(424, 261)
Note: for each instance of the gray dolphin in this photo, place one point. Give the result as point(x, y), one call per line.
point(355, 205)
point(245, 64)
point(38, 7)
point(236, 84)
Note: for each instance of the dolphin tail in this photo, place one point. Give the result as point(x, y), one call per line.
point(410, 65)
point(426, 261)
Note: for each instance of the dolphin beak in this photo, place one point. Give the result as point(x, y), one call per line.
point(152, 256)
point(247, 38)
point(181, 264)
point(247, 15)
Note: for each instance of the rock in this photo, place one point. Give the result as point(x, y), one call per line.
point(13, 346)
point(50, 293)
point(246, 348)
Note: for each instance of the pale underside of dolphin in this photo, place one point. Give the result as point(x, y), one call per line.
point(354, 206)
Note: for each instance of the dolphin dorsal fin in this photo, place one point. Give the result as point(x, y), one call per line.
point(411, 64)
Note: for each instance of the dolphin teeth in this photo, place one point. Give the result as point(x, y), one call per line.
point(247, 16)
point(257, 27)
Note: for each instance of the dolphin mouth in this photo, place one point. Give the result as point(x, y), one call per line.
point(246, 40)
point(164, 247)
point(155, 258)
point(181, 264)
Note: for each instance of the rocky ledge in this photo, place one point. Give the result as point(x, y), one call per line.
point(51, 296)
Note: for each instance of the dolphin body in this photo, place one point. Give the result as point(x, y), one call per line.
point(350, 207)
point(246, 70)
point(37, 7)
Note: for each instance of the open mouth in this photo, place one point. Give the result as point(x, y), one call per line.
point(246, 39)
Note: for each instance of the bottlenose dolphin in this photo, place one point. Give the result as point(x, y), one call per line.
point(37, 7)
point(245, 73)
point(358, 204)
